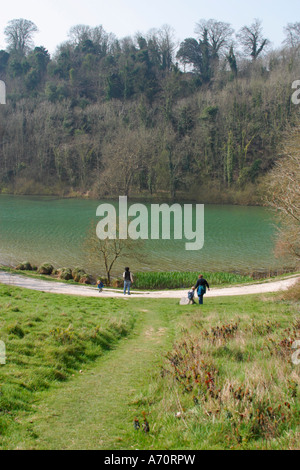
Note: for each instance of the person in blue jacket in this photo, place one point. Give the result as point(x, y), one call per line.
point(201, 286)
point(100, 285)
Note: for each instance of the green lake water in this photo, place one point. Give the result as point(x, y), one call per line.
point(53, 230)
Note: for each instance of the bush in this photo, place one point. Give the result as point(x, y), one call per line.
point(25, 266)
point(78, 273)
point(65, 274)
point(293, 293)
point(87, 279)
point(117, 283)
point(46, 268)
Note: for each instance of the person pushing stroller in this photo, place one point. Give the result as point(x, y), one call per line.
point(201, 286)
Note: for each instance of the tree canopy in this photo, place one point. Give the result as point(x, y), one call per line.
point(143, 113)
point(19, 35)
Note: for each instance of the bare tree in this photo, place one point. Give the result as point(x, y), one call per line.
point(124, 158)
point(252, 39)
point(283, 195)
point(19, 33)
point(107, 252)
point(219, 34)
point(167, 44)
point(292, 32)
point(80, 33)
point(162, 42)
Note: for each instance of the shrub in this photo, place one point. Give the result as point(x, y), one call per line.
point(117, 283)
point(65, 274)
point(46, 268)
point(293, 293)
point(25, 266)
point(78, 273)
point(87, 279)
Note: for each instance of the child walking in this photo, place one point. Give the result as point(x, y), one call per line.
point(100, 286)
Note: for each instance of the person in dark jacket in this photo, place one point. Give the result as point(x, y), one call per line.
point(128, 280)
point(201, 286)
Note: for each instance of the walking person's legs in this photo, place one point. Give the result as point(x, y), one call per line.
point(201, 299)
point(127, 285)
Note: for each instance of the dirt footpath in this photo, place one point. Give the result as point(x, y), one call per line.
point(88, 291)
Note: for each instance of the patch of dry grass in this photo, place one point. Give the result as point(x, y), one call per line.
point(293, 293)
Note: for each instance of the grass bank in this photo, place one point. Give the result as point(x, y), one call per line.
point(229, 382)
point(216, 377)
point(48, 338)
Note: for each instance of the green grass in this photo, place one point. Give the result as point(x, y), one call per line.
point(48, 338)
point(228, 382)
point(197, 375)
point(178, 280)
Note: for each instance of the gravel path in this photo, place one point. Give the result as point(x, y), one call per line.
point(88, 291)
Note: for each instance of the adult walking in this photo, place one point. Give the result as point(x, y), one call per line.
point(128, 280)
point(201, 286)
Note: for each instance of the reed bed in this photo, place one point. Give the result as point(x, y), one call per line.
point(182, 280)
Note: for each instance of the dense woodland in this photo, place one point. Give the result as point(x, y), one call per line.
point(145, 115)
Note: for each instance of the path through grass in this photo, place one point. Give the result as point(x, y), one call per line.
point(93, 410)
point(247, 340)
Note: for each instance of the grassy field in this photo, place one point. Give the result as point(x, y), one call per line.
point(80, 373)
point(229, 381)
point(49, 338)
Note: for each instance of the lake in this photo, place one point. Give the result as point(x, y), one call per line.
point(53, 230)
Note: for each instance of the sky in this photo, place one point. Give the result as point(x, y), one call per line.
point(54, 18)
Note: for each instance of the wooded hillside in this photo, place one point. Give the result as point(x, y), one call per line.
point(112, 117)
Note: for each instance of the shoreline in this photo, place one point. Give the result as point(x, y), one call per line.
point(228, 200)
point(256, 276)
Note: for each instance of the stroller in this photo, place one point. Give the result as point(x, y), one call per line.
point(191, 295)
point(189, 299)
